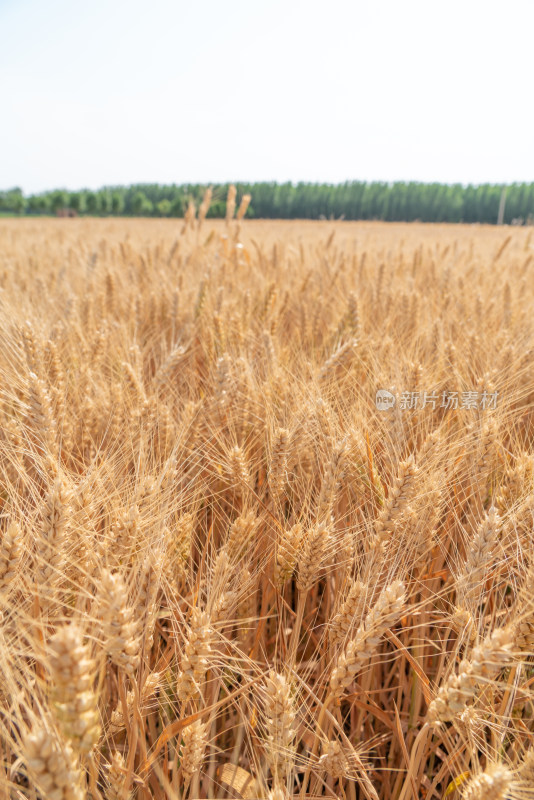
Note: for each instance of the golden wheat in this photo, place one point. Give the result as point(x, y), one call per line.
point(225, 570)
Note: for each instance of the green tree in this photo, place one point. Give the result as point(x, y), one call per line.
point(92, 201)
point(141, 205)
point(39, 204)
point(117, 202)
point(58, 199)
point(177, 206)
point(164, 208)
point(402, 201)
point(13, 201)
point(105, 201)
point(18, 205)
point(77, 201)
point(217, 210)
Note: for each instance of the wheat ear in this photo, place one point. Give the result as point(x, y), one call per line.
point(195, 659)
point(120, 628)
point(72, 675)
point(493, 784)
point(192, 750)
point(459, 690)
point(10, 556)
point(358, 652)
point(280, 715)
point(52, 766)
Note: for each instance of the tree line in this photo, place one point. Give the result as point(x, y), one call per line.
point(352, 200)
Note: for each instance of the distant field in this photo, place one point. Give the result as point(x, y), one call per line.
point(266, 508)
point(290, 232)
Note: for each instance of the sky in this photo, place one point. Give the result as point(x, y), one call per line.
point(122, 91)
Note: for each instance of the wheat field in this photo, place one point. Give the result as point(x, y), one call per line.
point(225, 572)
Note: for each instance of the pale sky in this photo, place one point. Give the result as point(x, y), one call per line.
point(123, 91)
